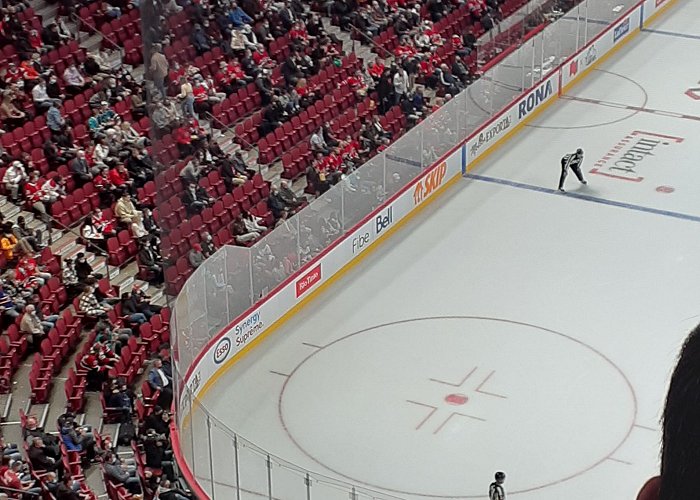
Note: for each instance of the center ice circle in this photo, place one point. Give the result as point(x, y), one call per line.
point(433, 406)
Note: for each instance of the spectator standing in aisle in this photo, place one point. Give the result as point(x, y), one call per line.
point(186, 96)
point(159, 69)
point(496, 490)
point(401, 84)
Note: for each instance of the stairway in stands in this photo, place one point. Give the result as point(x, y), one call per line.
point(66, 243)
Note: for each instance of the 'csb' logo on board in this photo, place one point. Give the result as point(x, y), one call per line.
point(429, 184)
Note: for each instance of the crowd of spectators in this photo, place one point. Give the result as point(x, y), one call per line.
point(84, 122)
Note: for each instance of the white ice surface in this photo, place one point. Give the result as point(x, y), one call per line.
point(556, 319)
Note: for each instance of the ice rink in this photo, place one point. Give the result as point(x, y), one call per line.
point(508, 326)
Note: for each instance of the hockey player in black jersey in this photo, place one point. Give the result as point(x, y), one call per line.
point(572, 161)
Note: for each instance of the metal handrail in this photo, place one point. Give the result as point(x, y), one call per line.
point(7, 489)
point(228, 128)
point(375, 44)
point(88, 244)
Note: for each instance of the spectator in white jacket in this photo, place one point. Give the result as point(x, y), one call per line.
point(252, 223)
point(14, 177)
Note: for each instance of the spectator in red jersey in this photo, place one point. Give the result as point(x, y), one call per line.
point(261, 58)
point(299, 35)
point(36, 42)
point(97, 363)
point(19, 478)
point(377, 69)
point(105, 189)
point(358, 83)
point(29, 74)
point(12, 73)
point(183, 140)
point(119, 178)
point(307, 94)
point(405, 48)
point(29, 274)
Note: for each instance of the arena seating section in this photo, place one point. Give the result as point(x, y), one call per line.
point(241, 113)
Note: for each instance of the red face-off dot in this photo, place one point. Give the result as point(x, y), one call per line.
point(456, 399)
point(665, 189)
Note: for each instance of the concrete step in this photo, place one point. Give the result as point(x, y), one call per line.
point(5, 405)
point(41, 411)
point(47, 12)
point(92, 42)
point(67, 245)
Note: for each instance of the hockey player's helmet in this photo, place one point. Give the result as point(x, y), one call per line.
point(500, 476)
point(579, 151)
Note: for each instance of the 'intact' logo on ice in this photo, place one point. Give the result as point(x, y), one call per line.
point(429, 184)
point(625, 158)
point(535, 98)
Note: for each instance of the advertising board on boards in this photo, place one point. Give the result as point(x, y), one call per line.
point(621, 30)
point(308, 280)
point(429, 184)
point(535, 98)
